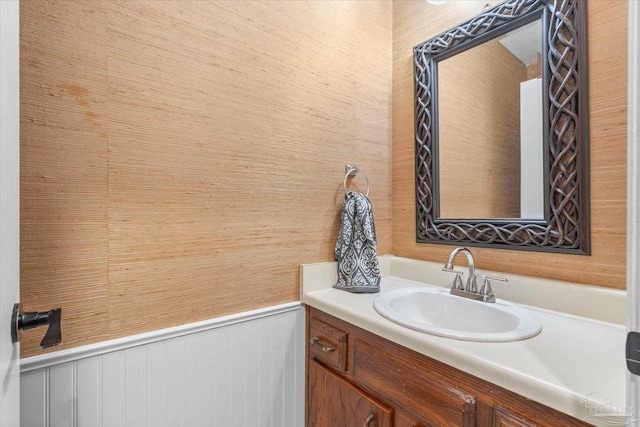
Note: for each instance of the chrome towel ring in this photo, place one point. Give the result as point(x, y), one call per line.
point(352, 170)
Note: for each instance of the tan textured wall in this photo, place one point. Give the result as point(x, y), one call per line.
point(414, 22)
point(180, 159)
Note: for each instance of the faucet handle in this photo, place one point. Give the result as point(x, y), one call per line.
point(486, 290)
point(457, 282)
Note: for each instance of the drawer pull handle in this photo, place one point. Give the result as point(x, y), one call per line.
point(370, 418)
point(327, 348)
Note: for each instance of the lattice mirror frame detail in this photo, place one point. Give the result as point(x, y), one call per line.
point(566, 226)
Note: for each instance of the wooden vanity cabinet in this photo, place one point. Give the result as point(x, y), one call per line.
point(356, 378)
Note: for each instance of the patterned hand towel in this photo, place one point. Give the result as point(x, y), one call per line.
point(358, 267)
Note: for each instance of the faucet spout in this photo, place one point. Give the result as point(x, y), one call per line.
point(471, 285)
point(470, 289)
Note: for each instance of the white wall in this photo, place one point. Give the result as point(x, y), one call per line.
point(245, 372)
point(9, 207)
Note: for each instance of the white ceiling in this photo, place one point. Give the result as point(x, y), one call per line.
point(525, 43)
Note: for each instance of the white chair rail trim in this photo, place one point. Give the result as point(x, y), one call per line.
point(64, 356)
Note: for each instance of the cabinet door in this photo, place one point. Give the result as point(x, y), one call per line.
point(332, 402)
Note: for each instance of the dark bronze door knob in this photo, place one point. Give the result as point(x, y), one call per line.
point(29, 320)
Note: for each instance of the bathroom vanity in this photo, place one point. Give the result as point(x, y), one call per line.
point(363, 369)
point(357, 378)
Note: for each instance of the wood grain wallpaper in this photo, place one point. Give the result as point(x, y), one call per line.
point(180, 159)
point(415, 22)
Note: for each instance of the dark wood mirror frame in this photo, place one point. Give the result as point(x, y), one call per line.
point(565, 227)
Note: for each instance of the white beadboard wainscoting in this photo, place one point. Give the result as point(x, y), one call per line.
point(240, 370)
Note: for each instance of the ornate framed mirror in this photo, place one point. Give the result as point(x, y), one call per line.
point(501, 130)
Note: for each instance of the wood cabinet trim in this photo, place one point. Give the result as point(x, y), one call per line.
point(504, 418)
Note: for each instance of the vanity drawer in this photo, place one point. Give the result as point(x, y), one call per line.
point(327, 344)
point(406, 384)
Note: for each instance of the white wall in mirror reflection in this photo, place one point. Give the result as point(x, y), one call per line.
point(531, 150)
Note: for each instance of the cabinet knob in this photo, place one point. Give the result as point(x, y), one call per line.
point(327, 348)
point(367, 422)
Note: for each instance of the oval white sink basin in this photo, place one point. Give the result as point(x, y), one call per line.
point(435, 311)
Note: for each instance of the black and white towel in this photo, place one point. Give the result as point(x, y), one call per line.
point(358, 267)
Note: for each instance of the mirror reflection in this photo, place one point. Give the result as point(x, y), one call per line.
point(490, 143)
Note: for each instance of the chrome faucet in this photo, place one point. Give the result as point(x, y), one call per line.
point(471, 285)
point(470, 289)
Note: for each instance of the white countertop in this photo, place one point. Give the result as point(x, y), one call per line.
point(572, 358)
